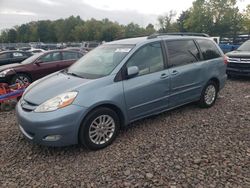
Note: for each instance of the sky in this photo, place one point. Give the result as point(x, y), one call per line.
point(17, 12)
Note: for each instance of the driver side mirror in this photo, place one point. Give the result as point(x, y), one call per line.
point(38, 62)
point(132, 71)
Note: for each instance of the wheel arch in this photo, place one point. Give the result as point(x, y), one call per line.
point(216, 81)
point(111, 106)
point(25, 73)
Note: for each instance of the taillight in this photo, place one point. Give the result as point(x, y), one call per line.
point(225, 60)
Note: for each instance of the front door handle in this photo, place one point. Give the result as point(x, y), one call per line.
point(164, 75)
point(175, 72)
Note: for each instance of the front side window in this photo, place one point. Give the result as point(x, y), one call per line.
point(55, 56)
point(148, 59)
point(182, 52)
point(101, 61)
point(208, 49)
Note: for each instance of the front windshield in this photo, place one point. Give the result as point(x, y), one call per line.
point(31, 59)
point(245, 46)
point(100, 62)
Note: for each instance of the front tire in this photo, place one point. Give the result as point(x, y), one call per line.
point(22, 79)
point(209, 95)
point(99, 129)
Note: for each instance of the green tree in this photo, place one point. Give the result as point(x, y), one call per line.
point(150, 29)
point(12, 35)
point(181, 20)
point(246, 19)
point(166, 22)
point(215, 17)
point(134, 30)
point(111, 30)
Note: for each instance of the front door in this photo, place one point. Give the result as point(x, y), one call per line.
point(148, 91)
point(47, 64)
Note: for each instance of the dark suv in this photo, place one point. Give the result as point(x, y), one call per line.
point(38, 66)
point(13, 56)
point(239, 61)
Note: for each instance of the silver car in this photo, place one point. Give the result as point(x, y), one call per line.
point(118, 83)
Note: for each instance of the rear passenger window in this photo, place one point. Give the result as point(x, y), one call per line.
point(69, 55)
point(148, 59)
point(182, 52)
point(208, 49)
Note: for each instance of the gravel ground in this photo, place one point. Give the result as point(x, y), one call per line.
point(186, 147)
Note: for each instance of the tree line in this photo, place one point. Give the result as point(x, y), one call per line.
point(214, 17)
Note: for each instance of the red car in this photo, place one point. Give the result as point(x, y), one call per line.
point(38, 66)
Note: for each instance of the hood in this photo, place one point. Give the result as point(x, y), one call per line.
point(4, 67)
point(51, 86)
point(239, 54)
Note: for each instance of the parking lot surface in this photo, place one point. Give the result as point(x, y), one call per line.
point(186, 147)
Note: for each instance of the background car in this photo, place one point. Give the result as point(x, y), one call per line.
point(77, 49)
point(36, 50)
point(239, 61)
point(38, 66)
point(9, 57)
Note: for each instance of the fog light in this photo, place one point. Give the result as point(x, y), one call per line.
point(52, 137)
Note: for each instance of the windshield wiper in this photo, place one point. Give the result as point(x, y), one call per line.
point(74, 74)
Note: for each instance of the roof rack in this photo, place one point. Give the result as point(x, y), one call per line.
point(155, 35)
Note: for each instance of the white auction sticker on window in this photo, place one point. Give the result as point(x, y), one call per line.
point(124, 50)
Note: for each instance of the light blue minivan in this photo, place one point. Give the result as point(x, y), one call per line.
point(118, 83)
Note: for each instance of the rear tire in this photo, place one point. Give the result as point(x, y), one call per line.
point(21, 78)
point(99, 129)
point(209, 95)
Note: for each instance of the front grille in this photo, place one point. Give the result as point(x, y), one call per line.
point(239, 60)
point(239, 65)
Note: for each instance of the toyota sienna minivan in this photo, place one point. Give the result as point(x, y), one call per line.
point(117, 83)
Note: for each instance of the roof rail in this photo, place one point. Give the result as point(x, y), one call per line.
point(155, 35)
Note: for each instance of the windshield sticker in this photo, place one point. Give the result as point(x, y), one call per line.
point(123, 50)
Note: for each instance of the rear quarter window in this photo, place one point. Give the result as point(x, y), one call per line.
point(208, 49)
point(70, 55)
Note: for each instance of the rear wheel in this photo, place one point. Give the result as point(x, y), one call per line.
point(99, 128)
point(22, 79)
point(209, 95)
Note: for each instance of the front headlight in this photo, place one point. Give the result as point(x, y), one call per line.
point(3, 73)
point(57, 102)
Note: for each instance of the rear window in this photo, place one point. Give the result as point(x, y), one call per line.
point(4, 55)
point(69, 55)
point(17, 54)
point(182, 52)
point(208, 49)
point(245, 46)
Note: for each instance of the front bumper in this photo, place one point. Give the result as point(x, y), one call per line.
point(63, 123)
